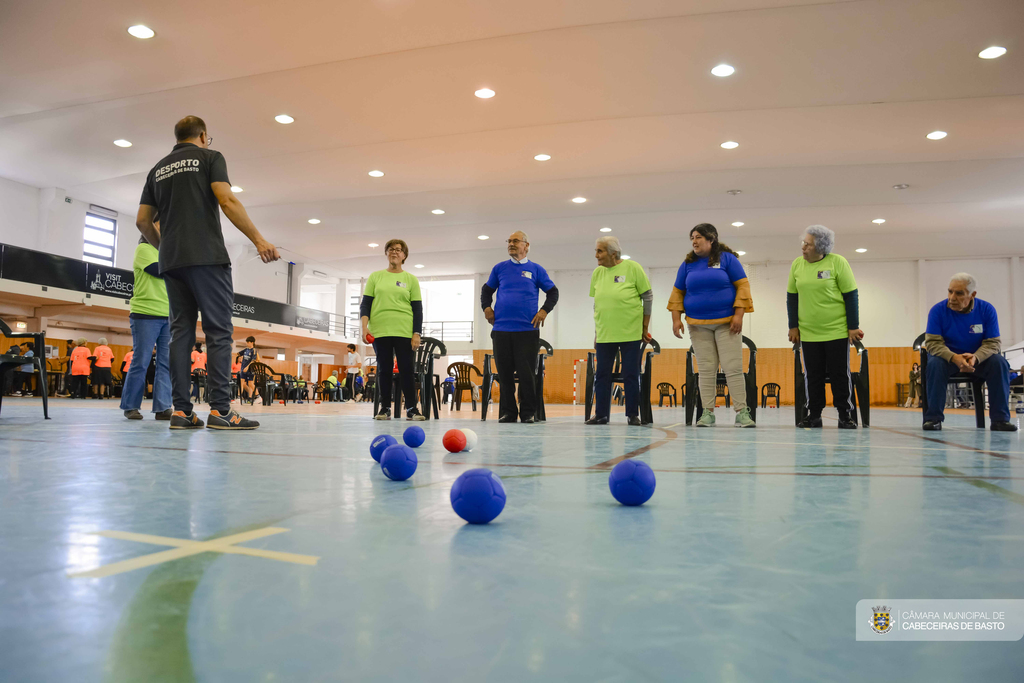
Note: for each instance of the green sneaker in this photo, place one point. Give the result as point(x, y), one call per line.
point(707, 419)
point(743, 419)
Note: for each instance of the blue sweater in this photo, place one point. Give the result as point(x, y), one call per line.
point(963, 332)
point(709, 291)
point(517, 286)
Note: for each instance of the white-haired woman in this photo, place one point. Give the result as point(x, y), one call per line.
point(102, 381)
point(622, 313)
point(824, 318)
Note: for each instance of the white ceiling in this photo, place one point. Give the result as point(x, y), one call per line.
point(831, 102)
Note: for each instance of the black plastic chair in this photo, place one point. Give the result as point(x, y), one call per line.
point(264, 380)
point(861, 395)
point(463, 374)
point(646, 356)
point(491, 378)
point(977, 386)
point(666, 390)
point(9, 362)
point(694, 404)
point(771, 390)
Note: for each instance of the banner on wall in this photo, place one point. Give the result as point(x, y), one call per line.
point(110, 281)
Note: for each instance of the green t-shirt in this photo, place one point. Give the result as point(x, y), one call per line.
point(618, 309)
point(820, 287)
point(393, 294)
point(149, 295)
point(332, 381)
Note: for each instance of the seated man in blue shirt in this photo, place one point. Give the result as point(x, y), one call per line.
point(963, 336)
point(517, 322)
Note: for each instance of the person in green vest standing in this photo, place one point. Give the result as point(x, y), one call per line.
point(824, 318)
point(622, 313)
point(392, 311)
point(150, 326)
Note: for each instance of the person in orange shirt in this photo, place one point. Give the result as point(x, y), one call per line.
point(127, 362)
point(236, 380)
point(102, 381)
point(79, 368)
point(198, 363)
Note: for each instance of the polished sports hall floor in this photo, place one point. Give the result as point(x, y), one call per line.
point(746, 564)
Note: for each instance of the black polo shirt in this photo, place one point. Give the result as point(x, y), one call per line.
point(179, 188)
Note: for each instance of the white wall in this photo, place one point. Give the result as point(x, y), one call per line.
point(19, 213)
point(894, 301)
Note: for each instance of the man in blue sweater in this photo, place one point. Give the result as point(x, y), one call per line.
point(963, 336)
point(517, 322)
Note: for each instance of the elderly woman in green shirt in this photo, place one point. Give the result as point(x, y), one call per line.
point(622, 313)
point(824, 318)
point(392, 312)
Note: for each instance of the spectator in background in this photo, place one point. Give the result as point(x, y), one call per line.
point(151, 336)
point(332, 387)
point(622, 313)
point(353, 365)
point(712, 289)
point(249, 355)
point(516, 325)
point(198, 363)
point(962, 336)
point(915, 386)
point(824, 319)
point(80, 368)
point(236, 380)
point(22, 378)
point(102, 382)
point(12, 380)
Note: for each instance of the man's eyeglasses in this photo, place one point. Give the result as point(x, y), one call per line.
point(395, 250)
point(515, 242)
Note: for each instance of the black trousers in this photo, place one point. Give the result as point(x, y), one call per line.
point(516, 352)
point(191, 290)
point(79, 386)
point(834, 356)
point(389, 348)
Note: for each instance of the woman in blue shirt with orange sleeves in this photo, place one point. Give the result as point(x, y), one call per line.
point(712, 290)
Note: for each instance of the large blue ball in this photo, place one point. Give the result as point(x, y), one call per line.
point(379, 443)
point(478, 496)
point(632, 482)
point(398, 462)
point(414, 437)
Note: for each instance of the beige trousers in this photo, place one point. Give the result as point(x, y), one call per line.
point(714, 345)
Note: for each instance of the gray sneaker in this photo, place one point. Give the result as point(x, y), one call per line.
point(707, 419)
point(743, 419)
point(231, 421)
point(133, 415)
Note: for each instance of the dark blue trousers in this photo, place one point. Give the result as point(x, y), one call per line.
point(995, 372)
point(630, 376)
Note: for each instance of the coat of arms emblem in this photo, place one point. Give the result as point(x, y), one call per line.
point(881, 621)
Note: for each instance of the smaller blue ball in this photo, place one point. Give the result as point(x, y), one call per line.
point(478, 496)
point(632, 482)
point(379, 443)
point(398, 462)
point(414, 437)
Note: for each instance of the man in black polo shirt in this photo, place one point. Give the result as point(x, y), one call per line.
point(188, 188)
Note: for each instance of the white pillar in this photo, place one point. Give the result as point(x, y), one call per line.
point(922, 297)
point(1016, 301)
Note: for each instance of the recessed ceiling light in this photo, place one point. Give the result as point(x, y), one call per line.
point(143, 32)
point(122, 143)
point(373, 245)
point(992, 52)
point(723, 70)
point(437, 212)
point(733, 192)
point(542, 157)
point(878, 221)
point(418, 265)
point(314, 221)
point(483, 237)
point(236, 189)
point(730, 145)
point(578, 200)
point(484, 93)
point(936, 135)
point(283, 118)
point(742, 253)
point(738, 224)
point(606, 229)
point(900, 186)
point(861, 250)
point(626, 257)
point(376, 174)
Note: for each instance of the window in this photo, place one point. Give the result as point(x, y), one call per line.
point(99, 239)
